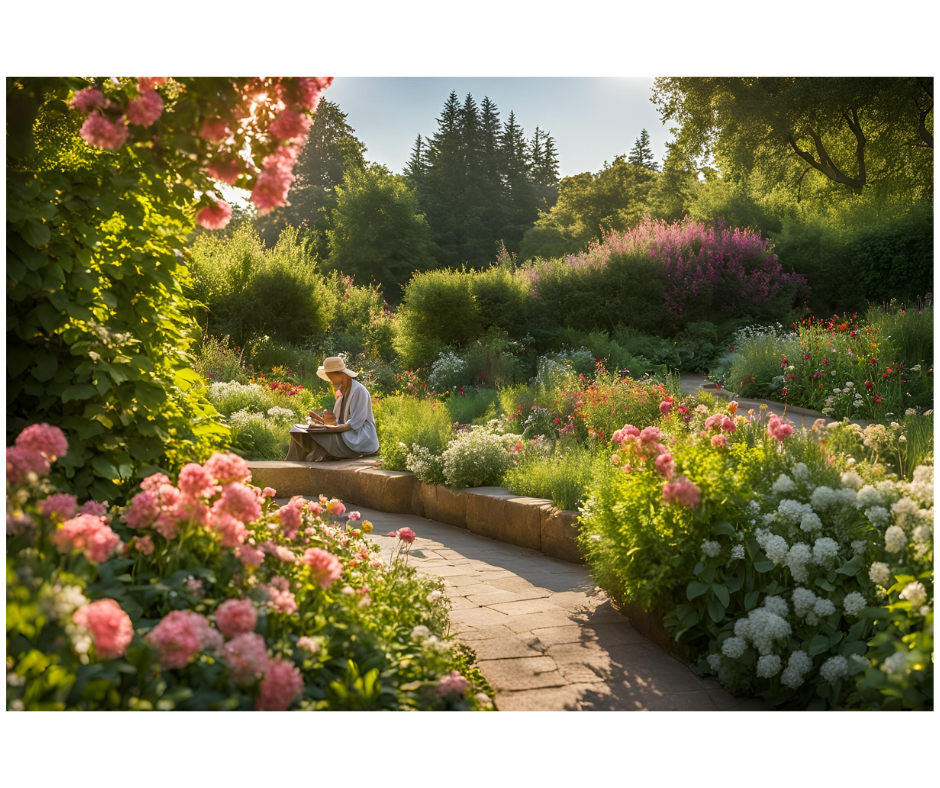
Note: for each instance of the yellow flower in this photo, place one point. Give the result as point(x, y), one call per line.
point(367, 526)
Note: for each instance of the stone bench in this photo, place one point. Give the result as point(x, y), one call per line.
point(489, 511)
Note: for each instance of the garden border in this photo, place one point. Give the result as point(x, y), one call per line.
point(493, 512)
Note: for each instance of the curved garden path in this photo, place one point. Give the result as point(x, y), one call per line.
point(546, 638)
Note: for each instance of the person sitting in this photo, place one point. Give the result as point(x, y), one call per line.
point(346, 431)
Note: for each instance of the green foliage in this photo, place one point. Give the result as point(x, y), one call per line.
point(438, 310)
point(250, 290)
point(403, 422)
point(98, 321)
point(502, 300)
point(564, 473)
point(362, 324)
point(472, 407)
point(477, 458)
point(216, 359)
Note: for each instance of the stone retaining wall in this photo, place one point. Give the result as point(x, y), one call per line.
point(489, 511)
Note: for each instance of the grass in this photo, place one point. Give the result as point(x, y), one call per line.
point(564, 476)
point(473, 407)
point(403, 421)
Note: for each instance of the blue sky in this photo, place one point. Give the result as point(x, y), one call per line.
point(591, 119)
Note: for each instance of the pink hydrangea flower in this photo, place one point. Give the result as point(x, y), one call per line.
point(269, 492)
point(290, 518)
point(97, 130)
point(682, 492)
point(89, 99)
point(214, 129)
point(281, 598)
point(110, 627)
point(666, 465)
point(406, 535)
point(309, 89)
point(62, 505)
point(315, 507)
point(453, 685)
point(225, 468)
point(209, 639)
point(235, 616)
point(665, 407)
point(95, 508)
point(22, 462)
point(281, 685)
point(231, 529)
point(250, 556)
point(142, 511)
point(247, 656)
point(178, 637)
point(279, 552)
point(153, 483)
point(193, 586)
point(290, 125)
point(144, 545)
point(89, 534)
point(325, 568)
point(353, 516)
point(145, 109)
point(336, 507)
point(149, 83)
point(225, 170)
point(718, 441)
point(19, 525)
point(44, 439)
point(728, 425)
point(195, 481)
point(215, 217)
point(714, 421)
point(239, 501)
point(779, 429)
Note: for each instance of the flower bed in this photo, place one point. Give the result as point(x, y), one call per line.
point(783, 565)
point(205, 594)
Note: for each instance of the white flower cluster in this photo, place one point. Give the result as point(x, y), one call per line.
point(244, 417)
point(801, 472)
point(851, 479)
point(834, 668)
point(775, 546)
point(65, 601)
point(908, 514)
point(280, 413)
point(784, 484)
point(880, 573)
point(711, 549)
point(921, 488)
point(878, 516)
point(798, 666)
point(768, 666)
point(778, 605)
point(761, 628)
point(424, 464)
point(923, 534)
point(797, 559)
point(449, 370)
point(420, 632)
point(218, 391)
point(895, 539)
point(915, 593)
point(810, 522)
point(734, 647)
point(737, 552)
point(714, 662)
point(804, 604)
point(853, 603)
point(477, 458)
point(791, 512)
point(825, 498)
point(896, 663)
point(825, 550)
point(869, 496)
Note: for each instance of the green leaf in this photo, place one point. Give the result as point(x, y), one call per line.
point(45, 367)
point(722, 593)
point(35, 233)
point(80, 391)
point(716, 610)
point(722, 528)
point(818, 645)
point(851, 567)
point(695, 589)
point(764, 565)
point(750, 599)
point(104, 468)
point(824, 584)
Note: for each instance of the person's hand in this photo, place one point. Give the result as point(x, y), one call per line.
point(315, 416)
point(328, 418)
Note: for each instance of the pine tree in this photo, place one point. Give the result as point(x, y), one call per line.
point(470, 136)
point(417, 166)
point(642, 154)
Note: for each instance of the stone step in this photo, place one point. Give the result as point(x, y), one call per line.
point(494, 512)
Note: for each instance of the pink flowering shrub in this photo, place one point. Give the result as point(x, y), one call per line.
point(216, 597)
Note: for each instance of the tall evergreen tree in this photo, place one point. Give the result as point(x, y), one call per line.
point(641, 153)
point(417, 166)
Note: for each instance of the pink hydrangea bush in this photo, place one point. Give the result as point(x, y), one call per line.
point(110, 627)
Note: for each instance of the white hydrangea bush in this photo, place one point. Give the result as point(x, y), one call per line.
point(837, 591)
point(448, 372)
point(477, 458)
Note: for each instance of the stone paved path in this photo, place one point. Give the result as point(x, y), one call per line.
point(545, 636)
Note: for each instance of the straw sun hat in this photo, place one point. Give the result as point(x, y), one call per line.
point(334, 364)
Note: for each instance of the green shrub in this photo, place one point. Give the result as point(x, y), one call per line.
point(260, 435)
point(502, 298)
point(609, 350)
point(656, 350)
point(493, 360)
point(251, 291)
point(403, 422)
point(438, 311)
point(361, 324)
point(473, 406)
point(477, 458)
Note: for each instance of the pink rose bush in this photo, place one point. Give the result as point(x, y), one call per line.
point(214, 593)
